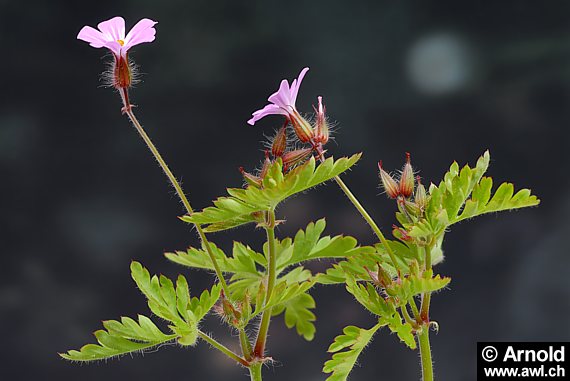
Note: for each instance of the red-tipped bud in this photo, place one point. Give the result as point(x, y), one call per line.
point(407, 180)
point(293, 158)
point(421, 195)
point(250, 179)
point(400, 233)
point(122, 76)
point(266, 165)
point(321, 126)
point(279, 142)
point(301, 127)
point(388, 183)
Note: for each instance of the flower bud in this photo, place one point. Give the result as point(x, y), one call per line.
point(407, 179)
point(421, 196)
point(279, 142)
point(388, 183)
point(122, 76)
point(293, 158)
point(321, 127)
point(301, 127)
point(266, 165)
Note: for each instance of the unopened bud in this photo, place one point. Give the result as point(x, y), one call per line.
point(250, 179)
point(321, 126)
point(407, 179)
point(412, 208)
point(122, 76)
point(266, 165)
point(279, 142)
point(400, 233)
point(421, 196)
point(293, 158)
point(301, 127)
point(388, 183)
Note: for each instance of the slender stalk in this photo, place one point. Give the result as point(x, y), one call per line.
point(259, 349)
point(425, 354)
point(319, 149)
point(426, 297)
point(245, 345)
point(222, 348)
point(415, 310)
point(368, 219)
point(407, 316)
point(127, 109)
point(255, 372)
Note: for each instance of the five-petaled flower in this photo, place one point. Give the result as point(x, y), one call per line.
point(283, 103)
point(111, 35)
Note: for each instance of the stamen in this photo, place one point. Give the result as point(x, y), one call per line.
point(121, 42)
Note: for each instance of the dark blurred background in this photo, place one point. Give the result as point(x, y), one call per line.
point(444, 80)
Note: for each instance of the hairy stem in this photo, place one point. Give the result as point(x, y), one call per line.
point(127, 109)
point(425, 354)
point(255, 372)
point(319, 149)
point(368, 219)
point(266, 317)
point(245, 345)
point(222, 348)
point(426, 297)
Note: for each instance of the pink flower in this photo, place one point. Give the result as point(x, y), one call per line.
point(282, 101)
point(111, 35)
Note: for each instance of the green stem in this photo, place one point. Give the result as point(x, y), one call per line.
point(245, 345)
point(425, 353)
point(368, 219)
point(255, 372)
point(222, 348)
point(205, 243)
point(415, 310)
point(266, 317)
point(426, 297)
point(321, 155)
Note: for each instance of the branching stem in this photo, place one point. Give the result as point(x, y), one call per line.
point(222, 348)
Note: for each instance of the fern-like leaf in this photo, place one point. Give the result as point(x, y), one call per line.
point(120, 338)
point(352, 342)
point(241, 205)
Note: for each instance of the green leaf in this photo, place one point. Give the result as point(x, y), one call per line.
point(464, 194)
point(121, 337)
point(298, 314)
point(403, 330)
point(413, 285)
point(240, 206)
point(174, 304)
point(309, 245)
point(352, 342)
point(243, 259)
point(369, 297)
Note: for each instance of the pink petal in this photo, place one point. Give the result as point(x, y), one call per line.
point(143, 31)
point(270, 109)
point(282, 97)
point(297, 84)
point(113, 29)
point(91, 35)
point(115, 47)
